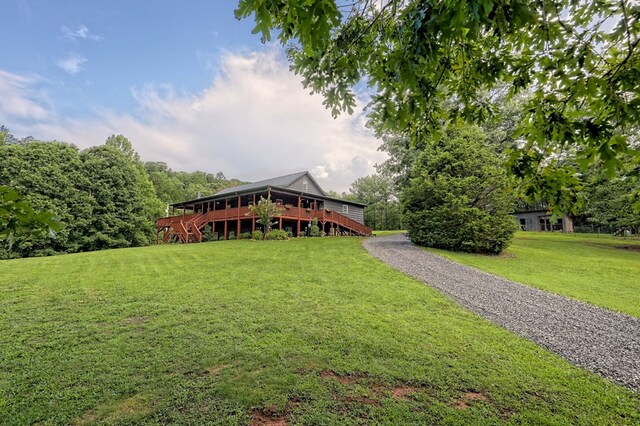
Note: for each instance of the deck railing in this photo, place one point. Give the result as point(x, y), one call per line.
point(192, 223)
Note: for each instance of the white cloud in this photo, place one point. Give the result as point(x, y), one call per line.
point(20, 100)
point(254, 121)
point(72, 64)
point(81, 33)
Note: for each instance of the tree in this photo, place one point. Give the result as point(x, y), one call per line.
point(266, 210)
point(379, 194)
point(458, 196)
point(124, 202)
point(50, 177)
point(17, 218)
point(609, 202)
point(172, 186)
point(429, 62)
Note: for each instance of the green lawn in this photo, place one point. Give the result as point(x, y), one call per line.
point(598, 269)
point(311, 331)
point(382, 233)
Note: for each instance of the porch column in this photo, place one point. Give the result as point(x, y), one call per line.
point(213, 223)
point(238, 232)
point(299, 207)
point(225, 229)
point(253, 217)
point(280, 222)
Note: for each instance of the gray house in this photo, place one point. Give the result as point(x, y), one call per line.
point(298, 194)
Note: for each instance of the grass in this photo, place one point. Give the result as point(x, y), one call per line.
point(391, 232)
point(598, 269)
point(311, 331)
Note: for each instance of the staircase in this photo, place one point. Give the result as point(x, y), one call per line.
point(343, 221)
point(185, 229)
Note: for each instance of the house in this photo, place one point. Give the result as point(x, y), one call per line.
point(227, 212)
point(536, 217)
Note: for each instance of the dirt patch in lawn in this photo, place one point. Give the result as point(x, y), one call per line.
point(136, 320)
point(267, 417)
point(403, 393)
point(346, 379)
point(469, 398)
point(215, 370)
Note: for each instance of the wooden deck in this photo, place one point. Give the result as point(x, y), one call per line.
point(188, 228)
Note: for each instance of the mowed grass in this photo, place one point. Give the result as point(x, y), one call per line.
point(598, 269)
point(390, 232)
point(311, 331)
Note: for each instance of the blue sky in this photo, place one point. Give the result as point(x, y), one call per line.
point(185, 81)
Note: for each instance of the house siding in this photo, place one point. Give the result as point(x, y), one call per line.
point(355, 212)
point(297, 185)
point(530, 221)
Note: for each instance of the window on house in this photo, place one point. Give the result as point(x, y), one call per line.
point(305, 185)
point(345, 209)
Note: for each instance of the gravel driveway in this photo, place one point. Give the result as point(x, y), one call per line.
point(600, 340)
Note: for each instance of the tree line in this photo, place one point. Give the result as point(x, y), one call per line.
point(104, 196)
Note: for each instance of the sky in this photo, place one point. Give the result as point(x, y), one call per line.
point(186, 82)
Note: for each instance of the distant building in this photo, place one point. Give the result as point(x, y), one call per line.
point(227, 212)
point(536, 217)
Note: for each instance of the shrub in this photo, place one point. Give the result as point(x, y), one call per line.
point(458, 196)
point(277, 234)
point(244, 236)
point(314, 231)
point(256, 235)
point(207, 235)
point(231, 237)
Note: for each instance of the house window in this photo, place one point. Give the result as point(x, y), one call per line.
point(305, 185)
point(345, 209)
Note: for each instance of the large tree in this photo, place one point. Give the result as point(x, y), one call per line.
point(379, 194)
point(50, 177)
point(431, 61)
point(458, 196)
point(124, 202)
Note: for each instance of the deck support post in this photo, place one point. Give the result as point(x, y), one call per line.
point(253, 216)
point(238, 227)
point(299, 207)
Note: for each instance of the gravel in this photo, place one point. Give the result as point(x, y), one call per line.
point(603, 341)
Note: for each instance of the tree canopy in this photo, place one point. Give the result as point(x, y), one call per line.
point(430, 62)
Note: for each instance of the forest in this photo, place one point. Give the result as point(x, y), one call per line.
point(103, 197)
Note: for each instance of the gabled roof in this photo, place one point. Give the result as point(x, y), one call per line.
point(280, 182)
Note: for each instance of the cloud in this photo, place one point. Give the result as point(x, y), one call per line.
point(72, 64)
point(253, 121)
point(81, 33)
point(20, 99)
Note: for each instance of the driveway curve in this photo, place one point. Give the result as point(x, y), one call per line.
point(603, 341)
